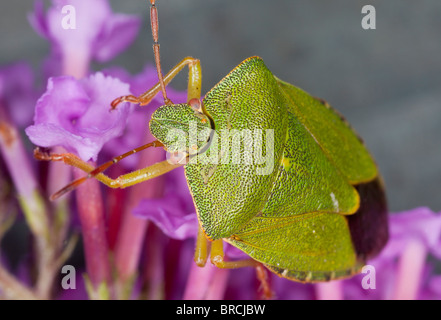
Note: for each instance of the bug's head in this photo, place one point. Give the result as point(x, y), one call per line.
point(184, 129)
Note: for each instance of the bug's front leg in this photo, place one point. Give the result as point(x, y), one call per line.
point(194, 75)
point(193, 90)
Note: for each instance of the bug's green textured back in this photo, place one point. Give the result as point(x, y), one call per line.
point(229, 195)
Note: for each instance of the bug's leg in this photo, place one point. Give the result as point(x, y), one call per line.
point(217, 258)
point(73, 160)
point(70, 159)
point(194, 84)
point(202, 247)
point(126, 180)
point(262, 275)
point(122, 181)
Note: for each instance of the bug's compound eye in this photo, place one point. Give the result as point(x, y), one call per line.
point(196, 105)
point(177, 157)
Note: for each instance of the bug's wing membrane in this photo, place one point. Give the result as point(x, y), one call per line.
point(319, 249)
point(337, 139)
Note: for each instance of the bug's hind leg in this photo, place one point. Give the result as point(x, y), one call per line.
point(217, 258)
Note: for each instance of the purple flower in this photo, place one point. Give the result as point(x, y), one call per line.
point(402, 269)
point(419, 223)
point(17, 91)
point(168, 213)
point(81, 30)
point(75, 114)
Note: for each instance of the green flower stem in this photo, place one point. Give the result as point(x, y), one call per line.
point(17, 162)
point(31, 202)
point(11, 288)
point(98, 291)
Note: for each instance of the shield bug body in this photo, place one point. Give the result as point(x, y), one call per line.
point(318, 212)
point(294, 187)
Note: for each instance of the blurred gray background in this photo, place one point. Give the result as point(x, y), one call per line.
point(386, 81)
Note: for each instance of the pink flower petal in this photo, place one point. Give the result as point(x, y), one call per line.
point(76, 114)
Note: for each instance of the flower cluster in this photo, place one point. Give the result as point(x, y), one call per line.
point(137, 242)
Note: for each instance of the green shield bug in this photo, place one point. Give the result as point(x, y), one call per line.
point(272, 170)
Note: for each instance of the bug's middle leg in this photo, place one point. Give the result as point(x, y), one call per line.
point(122, 181)
point(202, 248)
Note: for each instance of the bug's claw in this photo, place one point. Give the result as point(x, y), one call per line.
point(42, 155)
point(129, 98)
point(115, 103)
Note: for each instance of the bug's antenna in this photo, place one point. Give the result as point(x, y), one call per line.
point(155, 27)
